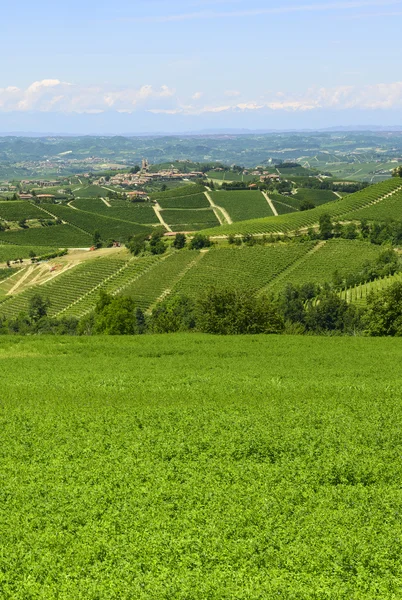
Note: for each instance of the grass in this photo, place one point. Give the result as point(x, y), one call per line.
point(242, 205)
point(190, 467)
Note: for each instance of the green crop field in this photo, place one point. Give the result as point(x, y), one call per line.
point(193, 201)
point(60, 236)
point(359, 293)
point(316, 196)
point(90, 191)
point(187, 190)
point(245, 268)
point(230, 176)
point(383, 211)
point(90, 222)
point(13, 252)
point(193, 467)
point(320, 264)
point(67, 288)
point(190, 220)
point(135, 212)
point(15, 211)
point(345, 208)
point(242, 205)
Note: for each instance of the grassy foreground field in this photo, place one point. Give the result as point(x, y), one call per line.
point(195, 467)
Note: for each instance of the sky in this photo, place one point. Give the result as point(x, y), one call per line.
point(138, 66)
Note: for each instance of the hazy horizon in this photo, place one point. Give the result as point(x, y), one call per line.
point(200, 65)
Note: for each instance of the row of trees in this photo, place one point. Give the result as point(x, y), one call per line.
point(307, 309)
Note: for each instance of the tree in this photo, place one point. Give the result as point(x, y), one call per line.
point(97, 240)
point(179, 241)
point(306, 205)
point(326, 226)
point(38, 307)
point(397, 172)
point(229, 311)
point(174, 314)
point(384, 315)
point(118, 316)
point(200, 241)
point(156, 243)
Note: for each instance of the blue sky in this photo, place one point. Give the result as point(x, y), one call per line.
point(135, 66)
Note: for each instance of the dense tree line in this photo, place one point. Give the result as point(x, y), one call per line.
point(308, 309)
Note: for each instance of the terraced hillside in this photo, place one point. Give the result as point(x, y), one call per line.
point(108, 227)
point(242, 205)
point(59, 236)
point(346, 208)
point(149, 279)
point(186, 209)
point(358, 294)
point(135, 212)
point(17, 210)
point(319, 265)
point(13, 252)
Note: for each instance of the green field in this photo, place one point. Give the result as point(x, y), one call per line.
point(194, 201)
point(242, 205)
point(346, 208)
point(135, 212)
point(320, 264)
point(187, 190)
point(13, 252)
point(316, 196)
point(60, 236)
point(193, 467)
point(190, 220)
point(15, 211)
point(109, 227)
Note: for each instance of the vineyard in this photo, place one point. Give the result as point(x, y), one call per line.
point(135, 212)
point(109, 228)
point(317, 197)
point(246, 268)
point(19, 210)
point(190, 220)
point(242, 205)
point(320, 264)
point(383, 211)
point(345, 208)
point(187, 190)
point(193, 201)
point(164, 277)
point(66, 288)
point(358, 294)
point(60, 236)
point(13, 252)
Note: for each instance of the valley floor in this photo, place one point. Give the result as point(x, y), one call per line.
point(198, 467)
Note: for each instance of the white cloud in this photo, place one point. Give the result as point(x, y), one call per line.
point(51, 95)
